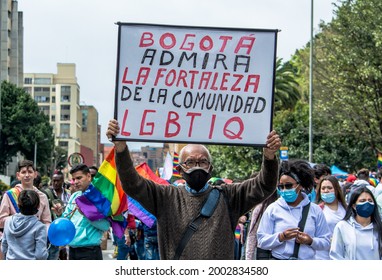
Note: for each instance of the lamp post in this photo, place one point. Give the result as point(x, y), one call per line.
point(35, 152)
point(35, 155)
point(311, 86)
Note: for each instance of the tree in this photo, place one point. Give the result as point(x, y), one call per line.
point(60, 157)
point(351, 54)
point(239, 162)
point(287, 91)
point(23, 125)
point(331, 147)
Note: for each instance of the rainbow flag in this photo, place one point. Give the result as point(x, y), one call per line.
point(105, 198)
point(175, 163)
point(13, 195)
point(379, 162)
point(135, 208)
point(237, 232)
point(373, 181)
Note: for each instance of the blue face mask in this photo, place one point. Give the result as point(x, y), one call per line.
point(365, 209)
point(328, 197)
point(312, 195)
point(289, 195)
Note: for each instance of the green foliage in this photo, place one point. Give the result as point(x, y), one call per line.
point(331, 145)
point(346, 86)
point(22, 126)
point(351, 58)
point(240, 162)
point(347, 96)
point(287, 91)
point(60, 157)
point(45, 180)
point(292, 126)
point(235, 162)
point(3, 186)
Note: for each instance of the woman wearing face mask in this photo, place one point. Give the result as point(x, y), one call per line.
point(278, 230)
point(359, 235)
point(332, 202)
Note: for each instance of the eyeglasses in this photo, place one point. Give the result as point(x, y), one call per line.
point(203, 163)
point(286, 186)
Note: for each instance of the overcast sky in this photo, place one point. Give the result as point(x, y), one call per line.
point(84, 32)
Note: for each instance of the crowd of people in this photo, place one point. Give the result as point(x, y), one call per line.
point(286, 210)
point(29, 207)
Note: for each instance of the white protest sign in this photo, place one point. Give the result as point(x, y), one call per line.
point(195, 84)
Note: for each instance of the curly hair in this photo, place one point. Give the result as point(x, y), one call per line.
point(300, 171)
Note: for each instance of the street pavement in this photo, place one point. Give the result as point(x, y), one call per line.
point(108, 253)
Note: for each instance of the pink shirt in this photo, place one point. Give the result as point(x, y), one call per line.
point(7, 209)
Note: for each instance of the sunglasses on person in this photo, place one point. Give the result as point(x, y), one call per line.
point(286, 186)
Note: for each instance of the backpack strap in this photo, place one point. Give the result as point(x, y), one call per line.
point(301, 226)
point(207, 210)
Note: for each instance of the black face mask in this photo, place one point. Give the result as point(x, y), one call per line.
point(196, 178)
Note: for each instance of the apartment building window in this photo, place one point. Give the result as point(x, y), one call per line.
point(45, 110)
point(41, 99)
point(28, 90)
point(65, 89)
point(42, 81)
point(63, 144)
point(64, 130)
point(53, 118)
point(65, 117)
point(65, 98)
point(84, 120)
point(65, 93)
point(28, 81)
point(53, 99)
point(42, 89)
point(65, 107)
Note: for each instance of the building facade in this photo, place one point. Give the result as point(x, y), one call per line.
point(11, 58)
point(11, 43)
point(91, 132)
point(58, 95)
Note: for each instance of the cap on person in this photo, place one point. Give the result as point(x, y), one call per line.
point(351, 178)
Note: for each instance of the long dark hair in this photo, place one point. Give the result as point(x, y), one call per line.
point(375, 216)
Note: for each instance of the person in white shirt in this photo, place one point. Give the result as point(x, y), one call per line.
point(278, 229)
point(359, 235)
point(332, 202)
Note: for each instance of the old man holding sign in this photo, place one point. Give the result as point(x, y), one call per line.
point(198, 85)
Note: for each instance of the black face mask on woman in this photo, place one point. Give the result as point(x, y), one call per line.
point(196, 177)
